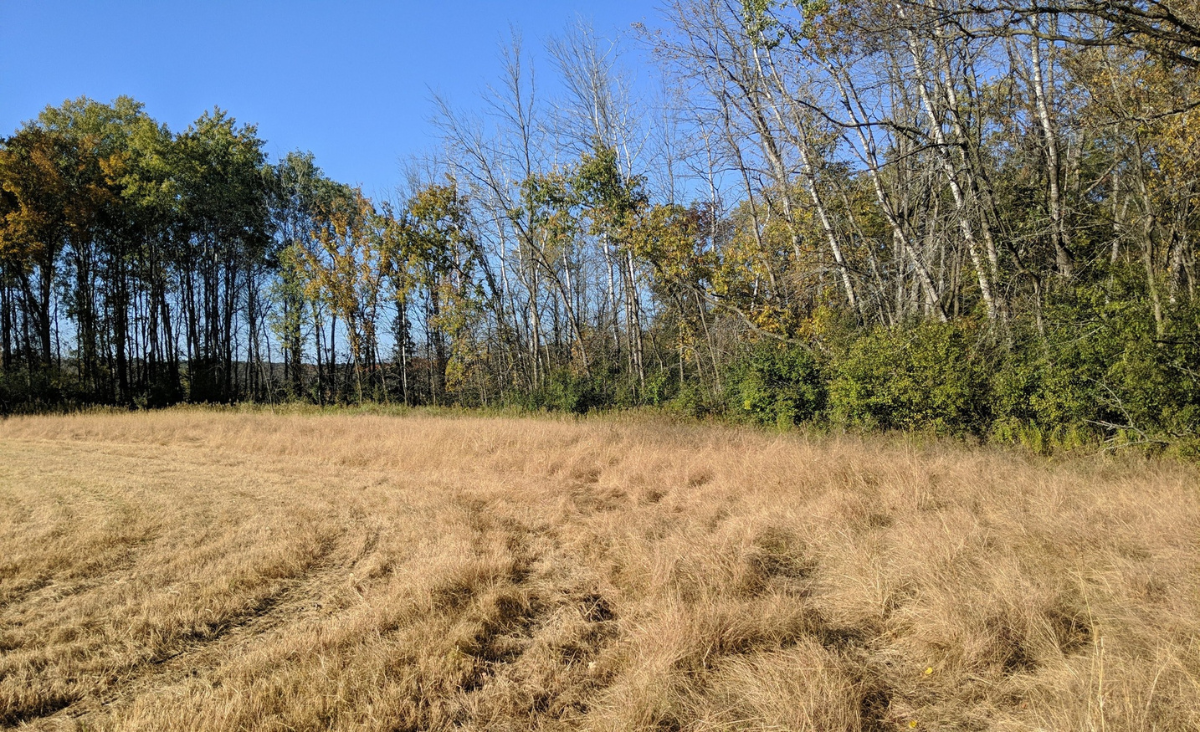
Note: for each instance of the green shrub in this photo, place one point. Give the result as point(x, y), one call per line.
point(920, 377)
point(776, 384)
point(26, 391)
point(1100, 370)
point(695, 401)
point(565, 391)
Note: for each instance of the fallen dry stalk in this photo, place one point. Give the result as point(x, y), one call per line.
point(209, 571)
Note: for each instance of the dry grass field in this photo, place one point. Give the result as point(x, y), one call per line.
point(233, 571)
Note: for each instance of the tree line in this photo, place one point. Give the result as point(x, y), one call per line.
point(967, 216)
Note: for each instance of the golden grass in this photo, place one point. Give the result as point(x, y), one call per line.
point(221, 571)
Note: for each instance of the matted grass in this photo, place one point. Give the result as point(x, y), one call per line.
point(220, 571)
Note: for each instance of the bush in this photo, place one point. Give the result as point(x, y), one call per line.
point(565, 391)
point(32, 392)
point(1101, 369)
point(921, 377)
point(777, 385)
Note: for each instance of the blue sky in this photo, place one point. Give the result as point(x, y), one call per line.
point(350, 80)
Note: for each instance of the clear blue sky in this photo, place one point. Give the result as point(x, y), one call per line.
point(348, 79)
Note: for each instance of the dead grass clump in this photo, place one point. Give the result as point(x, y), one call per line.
point(213, 571)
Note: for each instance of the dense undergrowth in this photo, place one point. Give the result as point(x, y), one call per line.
point(1097, 375)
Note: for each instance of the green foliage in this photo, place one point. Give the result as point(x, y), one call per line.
point(928, 376)
point(777, 385)
point(761, 27)
point(610, 196)
point(565, 391)
point(33, 392)
point(660, 388)
point(1101, 370)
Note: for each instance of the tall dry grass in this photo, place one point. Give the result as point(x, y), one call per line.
point(190, 570)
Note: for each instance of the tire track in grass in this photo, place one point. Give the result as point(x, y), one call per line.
point(295, 599)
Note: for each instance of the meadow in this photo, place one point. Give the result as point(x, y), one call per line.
point(206, 570)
